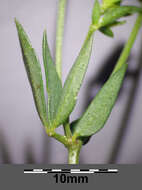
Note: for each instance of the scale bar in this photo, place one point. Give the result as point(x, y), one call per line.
point(112, 170)
point(71, 171)
point(82, 172)
point(33, 172)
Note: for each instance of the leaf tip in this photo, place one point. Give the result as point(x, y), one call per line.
point(18, 26)
point(44, 36)
point(15, 19)
point(44, 32)
point(16, 22)
point(96, 13)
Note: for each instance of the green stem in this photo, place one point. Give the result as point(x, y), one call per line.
point(59, 35)
point(73, 153)
point(126, 52)
point(58, 137)
point(67, 130)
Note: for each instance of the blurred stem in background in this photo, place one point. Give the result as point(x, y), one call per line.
point(59, 35)
point(127, 49)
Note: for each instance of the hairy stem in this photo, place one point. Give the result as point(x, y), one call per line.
point(126, 52)
point(59, 35)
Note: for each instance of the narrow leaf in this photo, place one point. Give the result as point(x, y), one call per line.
point(73, 82)
point(53, 83)
point(34, 73)
point(110, 3)
point(115, 13)
point(107, 31)
point(99, 110)
point(117, 23)
point(96, 12)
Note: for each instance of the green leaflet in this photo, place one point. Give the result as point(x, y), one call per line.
point(96, 12)
point(53, 83)
point(110, 3)
point(73, 82)
point(115, 13)
point(117, 23)
point(99, 110)
point(34, 73)
point(107, 31)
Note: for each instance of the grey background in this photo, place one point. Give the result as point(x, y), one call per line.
point(22, 137)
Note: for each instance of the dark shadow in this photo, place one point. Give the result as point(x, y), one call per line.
point(29, 154)
point(127, 113)
point(5, 156)
point(102, 76)
point(29, 158)
point(46, 155)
